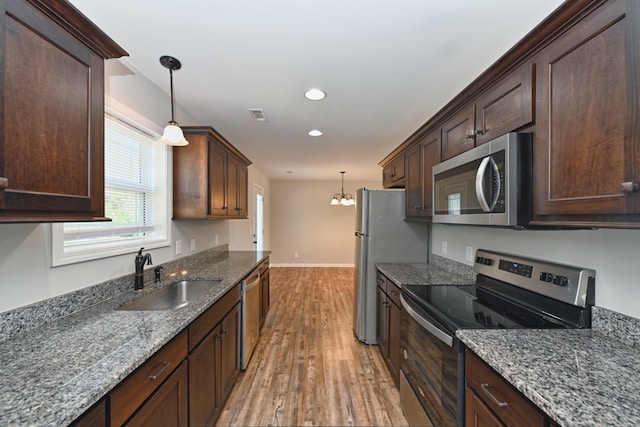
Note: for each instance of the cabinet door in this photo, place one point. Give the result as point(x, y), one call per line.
point(507, 106)
point(218, 180)
point(204, 391)
point(230, 351)
point(51, 120)
point(393, 359)
point(168, 405)
point(413, 182)
point(429, 156)
point(587, 139)
point(458, 133)
point(264, 295)
point(477, 414)
point(236, 188)
point(382, 327)
point(242, 201)
point(393, 174)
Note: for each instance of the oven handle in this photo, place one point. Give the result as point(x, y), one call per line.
point(441, 335)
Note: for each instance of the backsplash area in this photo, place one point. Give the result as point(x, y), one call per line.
point(31, 316)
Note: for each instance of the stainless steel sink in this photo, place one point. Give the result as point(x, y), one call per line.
point(172, 296)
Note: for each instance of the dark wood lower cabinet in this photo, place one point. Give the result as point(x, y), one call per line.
point(168, 406)
point(492, 401)
point(477, 414)
point(214, 364)
point(388, 324)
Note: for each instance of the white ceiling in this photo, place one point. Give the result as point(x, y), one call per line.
point(386, 66)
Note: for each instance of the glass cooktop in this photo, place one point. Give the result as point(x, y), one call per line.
point(474, 307)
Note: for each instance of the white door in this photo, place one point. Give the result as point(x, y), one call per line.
point(258, 218)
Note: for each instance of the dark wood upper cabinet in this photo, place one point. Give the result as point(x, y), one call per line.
point(587, 138)
point(210, 177)
point(420, 159)
point(507, 106)
point(393, 173)
point(52, 113)
point(458, 132)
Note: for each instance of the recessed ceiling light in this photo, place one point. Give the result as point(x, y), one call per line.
point(314, 94)
point(315, 132)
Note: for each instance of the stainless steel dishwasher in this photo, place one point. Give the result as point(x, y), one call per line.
point(250, 316)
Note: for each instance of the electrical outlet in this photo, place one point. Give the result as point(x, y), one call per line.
point(295, 254)
point(469, 253)
point(193, 245)
point(215, 239)
point(444, 247)
point(178, 247)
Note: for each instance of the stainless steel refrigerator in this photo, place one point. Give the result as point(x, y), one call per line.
point(382, 235)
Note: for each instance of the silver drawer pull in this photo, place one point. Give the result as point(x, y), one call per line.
point(165, 365)
point(485, 388)
point(4, 182)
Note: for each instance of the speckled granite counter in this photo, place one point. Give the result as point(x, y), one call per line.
point(578, 377)
point(51, 374)
point(422, 274)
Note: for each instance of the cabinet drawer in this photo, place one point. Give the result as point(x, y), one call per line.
point(135, 389)
point(200, 327)
point(502, 398)
point(393, 292)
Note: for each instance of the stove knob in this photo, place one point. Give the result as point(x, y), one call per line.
point(488, 261)
point(560, 280)
point(546, 277)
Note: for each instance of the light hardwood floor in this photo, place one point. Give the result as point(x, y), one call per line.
point(308, 368)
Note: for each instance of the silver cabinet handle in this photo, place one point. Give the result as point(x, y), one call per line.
point(485, 388)
point(627, 187)
point(165, 365)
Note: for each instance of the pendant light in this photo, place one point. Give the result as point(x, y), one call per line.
point(342, 199)
point(172, 134)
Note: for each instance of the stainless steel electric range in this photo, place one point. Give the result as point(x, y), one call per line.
point(510, 292)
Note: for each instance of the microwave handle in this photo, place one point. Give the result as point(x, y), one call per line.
point(480, 181)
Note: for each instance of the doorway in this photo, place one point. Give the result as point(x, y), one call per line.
point(258, 218)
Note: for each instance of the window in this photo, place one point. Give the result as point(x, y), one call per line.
point(135, 198)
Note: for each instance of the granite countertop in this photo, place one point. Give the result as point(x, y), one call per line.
point(579, 377)
point(52, 374)
point(423, 274)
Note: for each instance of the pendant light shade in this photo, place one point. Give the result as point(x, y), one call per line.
point(172, 134)
point(342, 199)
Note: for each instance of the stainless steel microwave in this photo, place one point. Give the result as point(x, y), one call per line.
point(488, 185)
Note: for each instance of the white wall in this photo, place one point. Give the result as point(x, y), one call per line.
point(26, 275)
point(614, 254)
point(303, 223)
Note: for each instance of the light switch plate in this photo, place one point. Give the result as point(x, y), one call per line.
point(469, 253)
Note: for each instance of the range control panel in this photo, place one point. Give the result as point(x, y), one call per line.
point(570, 284)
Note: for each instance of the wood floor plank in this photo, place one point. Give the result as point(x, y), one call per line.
point(308, 369)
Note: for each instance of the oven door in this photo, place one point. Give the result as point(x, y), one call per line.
point(432, 361)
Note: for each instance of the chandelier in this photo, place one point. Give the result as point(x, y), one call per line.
point(342, 198)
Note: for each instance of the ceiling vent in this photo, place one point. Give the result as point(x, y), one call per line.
point(258, 114)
